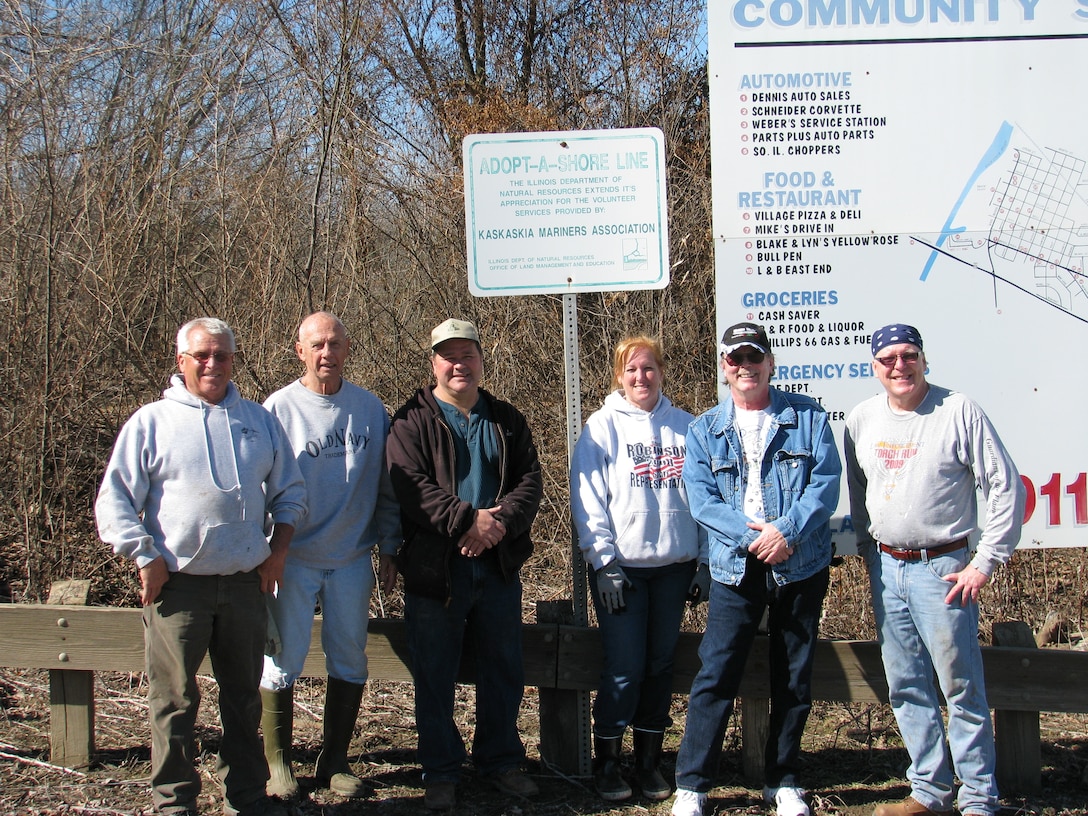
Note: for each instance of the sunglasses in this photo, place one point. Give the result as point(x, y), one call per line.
point(739, 358)
point(204, 357)
point(889, 360)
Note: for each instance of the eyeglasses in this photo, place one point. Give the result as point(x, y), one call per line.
point(204, 357)
point(739, 358)
point(907, 357)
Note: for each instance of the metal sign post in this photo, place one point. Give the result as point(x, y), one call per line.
point(572, 372)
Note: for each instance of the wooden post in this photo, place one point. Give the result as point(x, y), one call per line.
point(564, 713)
point(71, 692)
point(1019, 751)
point(755, 727)
point(755, 710)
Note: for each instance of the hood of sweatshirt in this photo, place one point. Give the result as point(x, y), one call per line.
point(617, 402)
point(218, 439)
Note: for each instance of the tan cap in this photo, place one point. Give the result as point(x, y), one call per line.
point(453, 329)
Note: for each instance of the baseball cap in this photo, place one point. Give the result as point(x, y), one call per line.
point(453, 329)
point(745, 334)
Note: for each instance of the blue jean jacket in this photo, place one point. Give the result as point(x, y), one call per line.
point(800, 475)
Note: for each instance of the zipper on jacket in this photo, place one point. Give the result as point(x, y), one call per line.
point(453, 481)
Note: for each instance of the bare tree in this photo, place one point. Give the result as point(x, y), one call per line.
point(256, 161)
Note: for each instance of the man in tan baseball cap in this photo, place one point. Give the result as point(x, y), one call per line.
point(466, 473)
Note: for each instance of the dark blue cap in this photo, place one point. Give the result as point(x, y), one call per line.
point(894, 334)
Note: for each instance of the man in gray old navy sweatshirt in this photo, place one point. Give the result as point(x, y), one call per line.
point(337, 432)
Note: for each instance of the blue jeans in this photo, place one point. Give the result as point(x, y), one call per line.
point(732, 621)
point(639, 643)
point(344, 595)
point(484, 612)
point(922, 636)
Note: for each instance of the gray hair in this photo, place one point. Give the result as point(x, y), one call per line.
point(211, 325)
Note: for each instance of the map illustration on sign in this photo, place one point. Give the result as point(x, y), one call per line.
point(1037, 241)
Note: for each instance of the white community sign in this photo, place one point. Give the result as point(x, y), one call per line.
point(924, 163)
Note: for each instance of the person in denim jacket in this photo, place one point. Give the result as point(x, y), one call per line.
point(762, 476)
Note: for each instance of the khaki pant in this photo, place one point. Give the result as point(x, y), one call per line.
point(224, 616)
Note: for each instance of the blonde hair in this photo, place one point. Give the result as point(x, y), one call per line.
point(628, 346)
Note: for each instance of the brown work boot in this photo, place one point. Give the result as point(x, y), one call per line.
point(908, 807)
point(515, 783)
point(440, 796)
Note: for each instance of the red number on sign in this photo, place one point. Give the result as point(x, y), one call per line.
point(1051, 491)
point(1077, 491)
point(1029, 505)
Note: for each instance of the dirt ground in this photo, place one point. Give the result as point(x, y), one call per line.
point(853, 757)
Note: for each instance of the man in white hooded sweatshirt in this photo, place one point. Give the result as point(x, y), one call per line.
point(188, 488)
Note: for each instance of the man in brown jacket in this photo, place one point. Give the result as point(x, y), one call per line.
point(467, 477)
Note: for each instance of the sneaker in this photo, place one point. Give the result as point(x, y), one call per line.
point(787, 801)
point(515, 783)
point(688, 803)
point(440, 796)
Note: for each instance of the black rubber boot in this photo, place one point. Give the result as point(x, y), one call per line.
point(647, 759)
point(342, 701)
point(277, 726)
point(606, 769)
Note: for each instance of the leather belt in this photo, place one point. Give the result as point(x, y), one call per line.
point(907, 554)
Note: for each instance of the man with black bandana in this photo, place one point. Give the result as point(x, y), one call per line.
point(915, 457)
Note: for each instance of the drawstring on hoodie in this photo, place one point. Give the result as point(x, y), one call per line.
point(226, 462)
point(227, 459)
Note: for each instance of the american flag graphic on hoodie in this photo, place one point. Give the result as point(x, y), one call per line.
point(656, 466)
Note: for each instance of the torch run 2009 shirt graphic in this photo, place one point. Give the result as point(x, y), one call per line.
point(892, 460)
point(893, 456)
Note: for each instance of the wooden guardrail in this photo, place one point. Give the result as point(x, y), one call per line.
point(75, 641)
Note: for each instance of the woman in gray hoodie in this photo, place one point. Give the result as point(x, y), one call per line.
point(631, 515)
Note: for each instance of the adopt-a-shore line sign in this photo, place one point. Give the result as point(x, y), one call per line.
point(564, 212)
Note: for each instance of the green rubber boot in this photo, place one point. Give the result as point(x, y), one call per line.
point(342, 701)
point(277, 725)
